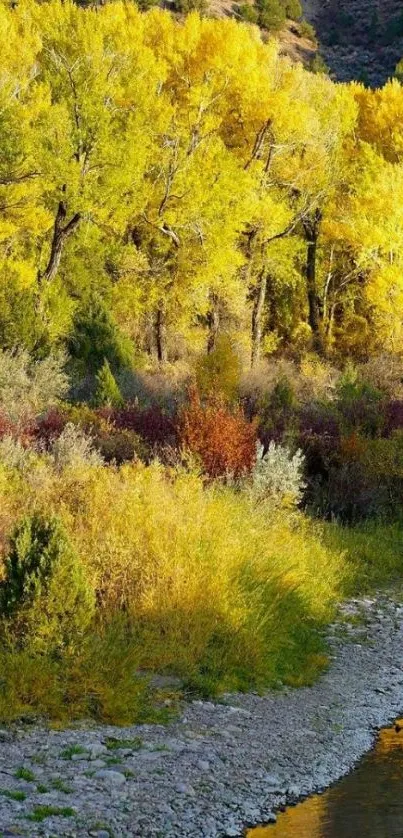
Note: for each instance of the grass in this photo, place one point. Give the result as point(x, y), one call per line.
point(190, 579)
point(40, 813)
point(71, 750)
point(373, 556)
point(20, 796)
point(25, 774)
point(115, 744)
point(59, 785)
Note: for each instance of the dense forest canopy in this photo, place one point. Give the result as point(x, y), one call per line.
point(163, 180)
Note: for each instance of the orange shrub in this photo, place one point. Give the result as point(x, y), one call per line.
point(223, 440)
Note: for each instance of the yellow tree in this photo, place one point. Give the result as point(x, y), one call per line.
point(103, 115)
point(22, 102)
point(197, 191)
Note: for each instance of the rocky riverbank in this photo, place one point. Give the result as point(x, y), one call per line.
point(220, 766)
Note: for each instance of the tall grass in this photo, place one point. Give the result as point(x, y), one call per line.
point(372, 555)
point(203, 581)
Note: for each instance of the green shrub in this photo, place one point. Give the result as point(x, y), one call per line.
point(271, 14)
point(399, 71)
point(44, 597)
point(107, 391)
point(120, 445)
point(306, 30)
point(186, 6)
point(96, 337)
point(247, 12)
point(318, 64)
point(360, 404)
point(98, 680)
point(293, 9)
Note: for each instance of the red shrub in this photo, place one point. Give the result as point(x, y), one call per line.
point(6, 426)
point(24, 430)
point(224, 441)
point(49, 426)
point(152, 424)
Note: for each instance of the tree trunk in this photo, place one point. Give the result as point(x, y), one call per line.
point(311, 229)
point(61, 232)
point(160, 335)
point(257, 314)
point(213, 320)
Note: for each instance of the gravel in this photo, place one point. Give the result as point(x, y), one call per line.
point(220, 766)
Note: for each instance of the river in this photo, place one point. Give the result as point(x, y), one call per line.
point(368, 803)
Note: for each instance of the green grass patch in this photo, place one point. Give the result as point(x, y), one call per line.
point(25, 774)
point(59, 785)
point(40, 813)
point(71, 750)
point(13, 794)
point(116, 744)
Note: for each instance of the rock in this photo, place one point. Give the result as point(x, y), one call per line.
point(98, 763)
point(113, 777)
point(184, 788)
point(272, 782)
point(232, 832)
point(202, 765)
point(96, 750)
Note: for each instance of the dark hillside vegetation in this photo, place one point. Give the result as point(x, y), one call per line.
point(359, 39)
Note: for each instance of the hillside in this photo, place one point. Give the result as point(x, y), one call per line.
point(360, 39)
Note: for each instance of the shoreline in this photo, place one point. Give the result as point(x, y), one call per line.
point(221, 767)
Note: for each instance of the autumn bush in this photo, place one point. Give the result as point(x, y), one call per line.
point(155, 425)
point(223, 439)
point(219, 372)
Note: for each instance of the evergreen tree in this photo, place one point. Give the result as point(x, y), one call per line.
point(107, 391)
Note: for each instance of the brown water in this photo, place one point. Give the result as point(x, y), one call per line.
point(368, 803)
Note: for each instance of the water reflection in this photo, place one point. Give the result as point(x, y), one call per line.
point(366, 804)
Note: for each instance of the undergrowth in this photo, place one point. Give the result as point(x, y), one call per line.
point(200, 580)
